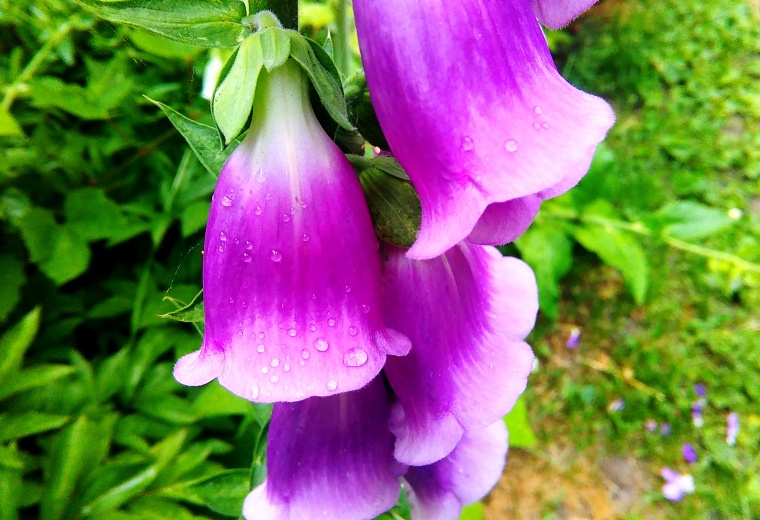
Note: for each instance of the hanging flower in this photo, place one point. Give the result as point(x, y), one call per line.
point(466, 313)
point(475, 111)
point(558, 13)
point(291, 271)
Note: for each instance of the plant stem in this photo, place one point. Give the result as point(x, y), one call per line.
point(286, 11)
point(343, 37)
point(31, 68)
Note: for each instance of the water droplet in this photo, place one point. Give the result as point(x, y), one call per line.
point(285, 217)
point(228, 199)
point(260, 348)
point(312, 327)
point(305, 237)
point(331, 322)
point(260, 175)
point(254, 391)
point(245, 304)
point(261, 335)
point(305, 354)
point(348, 289)
point(232, 300)
point(275, 362)
point(222, 236)
point(303, 203)
point(247, 258)
point(274, 379)
point(248, 245)
point(275, 256)
point(237, 240)
point(240, 332)
point(352, 331)
point(467, 144)
point(332, 385)
point(537, 110)
point(258, 211)
point(365, 308)
point(313, 296)
point(265, 370)
point(221, 249)
point(299, 395)
point(321, 344)
point(510, 146)
point(537, 126)
point(545, 125)
point(269, 196)
point(302, 363)
point(355, 357)
point(292, 333)
point(286, 367)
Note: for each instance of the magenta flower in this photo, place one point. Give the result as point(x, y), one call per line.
point(676, 485)
point(696, 413)
point(558, 13)
point(475, 111)
point(329, 457)
point(291, 271)
point(466, 313)
point(732, 428)
point(574, 338)
point(440, 490)
point(700, 389)
point(689, 453)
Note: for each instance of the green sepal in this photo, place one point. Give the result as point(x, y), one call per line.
point(361, 112)
point(207, 23)
point(393, 203)
point(275, 47)
point(233, 98)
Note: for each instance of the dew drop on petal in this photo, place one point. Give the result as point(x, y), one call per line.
point(275, 362)
point(332, 385)
point(222, 236)
point(331, 322)
point(302, 363)
point(348, 289)
point(468, 144)
point(292, 333)
point(537, 110)
point(258, 211)
point(248, 245)
point(237, 240)
point(275, 256)
point(247, 258)
point(260, 175)
point(365, 308)
point(221, 249)
point(226, 201)
point(352, 330)
point(254, 391)
point(312, 327)
point(537, 126)
point(260, 348)
point(240, 332)
point(305, 237)
point(265, 370)
point(354, 357)
point(305, 354)
point(274, 379)
point(510, 146)
point(321, 344)
point(285, 217)
point(545, 125)
point(261, 335)
point(286, 367)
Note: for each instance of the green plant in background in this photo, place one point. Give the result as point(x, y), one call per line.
point(102, 209)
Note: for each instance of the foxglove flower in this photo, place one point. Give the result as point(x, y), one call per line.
point(475, 111)
point(466, 313)
point(291, 271)
point(329, 457)
point(689, 453)
point(676, 485)
point(732, 428)
point(558, 13)
point(439, 491)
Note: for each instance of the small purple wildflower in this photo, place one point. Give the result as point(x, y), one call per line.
point(574, 338)
point(696, 415)
point(732, 428)
point(689, 453)
point(676, 485)
point(616, 406)
point(651, 425)
point(700, 389)
point(665, 429)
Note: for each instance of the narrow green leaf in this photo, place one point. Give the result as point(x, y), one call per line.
point(275, 47)
point(323, 75)
point(621, 251)
point(66, 467)
point(224, 493)
point(233, 98)
point(34, 377)
point(215, 400)
point(206, 23)
point(13, 279)
point(19, 425)
point(8, 125)
point(14, 342)
point(10, 493)
point(690, 220)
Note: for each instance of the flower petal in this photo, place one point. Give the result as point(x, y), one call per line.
point(291, 272)
point(503, 222)
point(466, 313)
point(556, 14)
point(440, 490)
point(329, 457)
point(496, 122)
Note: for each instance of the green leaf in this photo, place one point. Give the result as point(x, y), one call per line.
point(692, 220)
point(13, 279)
point(549, 252)
point(69, 257)
point(323, 76)
point(163, 47)
point(11, 485)
point(233, 98)
point(203, 139)
point(34, 377)
point(223, 493)
point(621, 251)
point(216, 400)
point(474, 511)
point(275, 47)
point(520, 433)
point(207, 23)
point(8, 125)
point(14, 342)
point(92, 215)
point(50, 92)
point(18, 425)
point(194, 217)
